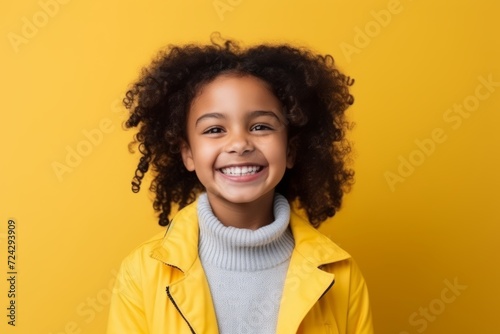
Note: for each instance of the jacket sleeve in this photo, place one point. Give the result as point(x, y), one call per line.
point(359, 319)
point(126, 313)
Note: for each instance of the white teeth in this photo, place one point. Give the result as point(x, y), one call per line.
point(240, 171)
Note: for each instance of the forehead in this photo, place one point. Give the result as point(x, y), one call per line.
point(232, 91)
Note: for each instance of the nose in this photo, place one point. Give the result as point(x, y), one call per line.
point(239, 143)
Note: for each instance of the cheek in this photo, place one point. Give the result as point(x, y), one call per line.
point(278, 151)
point(204, 155)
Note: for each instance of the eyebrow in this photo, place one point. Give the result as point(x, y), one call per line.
point(209, 115)
point(253, 114)
point(258, 113)
point(272, 114)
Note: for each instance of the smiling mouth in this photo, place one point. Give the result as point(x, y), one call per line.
point(241, 170)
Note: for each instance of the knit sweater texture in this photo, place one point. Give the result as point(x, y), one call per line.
point(245, 269)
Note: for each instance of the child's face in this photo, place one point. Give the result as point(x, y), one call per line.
point(237, 140)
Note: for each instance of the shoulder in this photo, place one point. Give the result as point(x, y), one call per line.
point(312, 243)
point(147, 246)
point(318, 248)
point(140, 255)
point(176, 246)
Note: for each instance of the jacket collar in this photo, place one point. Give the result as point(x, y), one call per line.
point(314, 245)
point(179, 247)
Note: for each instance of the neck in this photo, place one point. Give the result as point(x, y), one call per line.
point(251, 216)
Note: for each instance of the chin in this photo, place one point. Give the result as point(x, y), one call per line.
point(244, 198)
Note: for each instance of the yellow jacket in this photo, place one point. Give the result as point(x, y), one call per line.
point(161, 286)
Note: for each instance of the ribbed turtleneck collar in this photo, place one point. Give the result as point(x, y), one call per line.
point(239, 249)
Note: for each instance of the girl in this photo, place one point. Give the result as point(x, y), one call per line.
point(236, 137)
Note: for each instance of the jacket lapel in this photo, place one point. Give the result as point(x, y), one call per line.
point(192, 297)
point(306, 282)
point(188, 289)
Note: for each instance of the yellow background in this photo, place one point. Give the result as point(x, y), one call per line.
point(441, 224)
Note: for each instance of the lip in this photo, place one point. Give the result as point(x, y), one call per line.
point(241, 165)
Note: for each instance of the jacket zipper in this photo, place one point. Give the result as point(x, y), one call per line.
point(177, 307)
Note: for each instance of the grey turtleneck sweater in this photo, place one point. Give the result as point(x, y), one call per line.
point(245, 269)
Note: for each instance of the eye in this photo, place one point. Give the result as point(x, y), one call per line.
point(260, 127)
point(213, 130)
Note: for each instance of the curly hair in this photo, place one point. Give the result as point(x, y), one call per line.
point(314, 95)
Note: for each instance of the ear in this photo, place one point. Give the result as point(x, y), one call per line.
point(187, 156)
point(291, 153)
